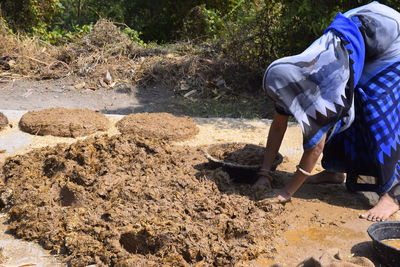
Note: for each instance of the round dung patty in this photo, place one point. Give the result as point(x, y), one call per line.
point(158, 125)
point(63, 122)
point(3, 121)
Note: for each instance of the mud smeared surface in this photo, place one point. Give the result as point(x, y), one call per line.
point(130, 201)
point(2, 257)
point(63, 122)
point(3, 121)
point(158, 125)
point(238, 153)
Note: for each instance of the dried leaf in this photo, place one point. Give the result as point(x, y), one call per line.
point(184, 87)
point(108, 77)
point(102, 83)
point(190, 93)
point(80, 85)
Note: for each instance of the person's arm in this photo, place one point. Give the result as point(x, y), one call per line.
point(307, 163)
point(274, 141)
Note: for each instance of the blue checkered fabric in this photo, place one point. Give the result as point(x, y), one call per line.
point(371, 146)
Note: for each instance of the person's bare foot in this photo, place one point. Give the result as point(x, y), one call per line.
point(385, 207)
point(326, 177)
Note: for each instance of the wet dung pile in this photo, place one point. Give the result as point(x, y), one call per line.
point(64, 122)
point(3, 121)
point(130, 201)
point(238, 153)
point(158, 125)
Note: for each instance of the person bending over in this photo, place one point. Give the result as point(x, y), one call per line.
point(344, 91)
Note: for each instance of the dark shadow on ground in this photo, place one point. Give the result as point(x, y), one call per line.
point(215, 173)
point(150, 99)
point(127, 98)
point(155, 99)
point(124, 90)
point(334, 194)
point(228, 123)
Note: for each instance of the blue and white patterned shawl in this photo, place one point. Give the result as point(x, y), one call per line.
point(317, 86)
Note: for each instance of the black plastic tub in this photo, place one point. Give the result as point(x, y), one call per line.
point(238, 172)
point(381, 231)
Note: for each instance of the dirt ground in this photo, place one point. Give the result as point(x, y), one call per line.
point(123, 99)
point(320, 217)
point(35, 95)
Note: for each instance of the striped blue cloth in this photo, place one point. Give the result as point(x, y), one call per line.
point(371, 146)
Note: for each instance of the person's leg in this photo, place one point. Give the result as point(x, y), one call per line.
point(327, 177)
point(387, 205)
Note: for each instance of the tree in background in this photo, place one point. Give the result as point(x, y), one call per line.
point(164, 21)
point(305, 20)
point(169, 20)
point(158, 20)
point(269, 29)
point(252, 32)
point(27, 15)
point(83, 12)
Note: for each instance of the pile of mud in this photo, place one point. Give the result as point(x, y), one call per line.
point(163, 126)
point(129, 201)
point(238, 153)
point(63, 122)
point(3, 121)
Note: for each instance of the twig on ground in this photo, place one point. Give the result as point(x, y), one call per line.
point(37, 60)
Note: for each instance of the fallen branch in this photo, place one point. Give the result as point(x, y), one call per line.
point(37, 60)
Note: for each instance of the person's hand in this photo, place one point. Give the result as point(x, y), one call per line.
point(264, 179)
point(276, 196)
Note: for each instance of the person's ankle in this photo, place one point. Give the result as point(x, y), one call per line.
point(394, 193)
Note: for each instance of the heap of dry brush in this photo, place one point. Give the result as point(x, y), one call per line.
point(107, 57)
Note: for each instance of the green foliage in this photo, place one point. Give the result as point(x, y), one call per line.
point(163, 21)
point(305, 20)
point(81, 12)
point(4, 29)
point(255, 37)
point(133, 35)
point(59, 36)
point(266, 30)
point(251, 32)
point(202, 23)
point(28, 14)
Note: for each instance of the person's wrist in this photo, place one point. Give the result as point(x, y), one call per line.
point(264, 170)
point(265, 173)
point(287, 192)
point(302, 171)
